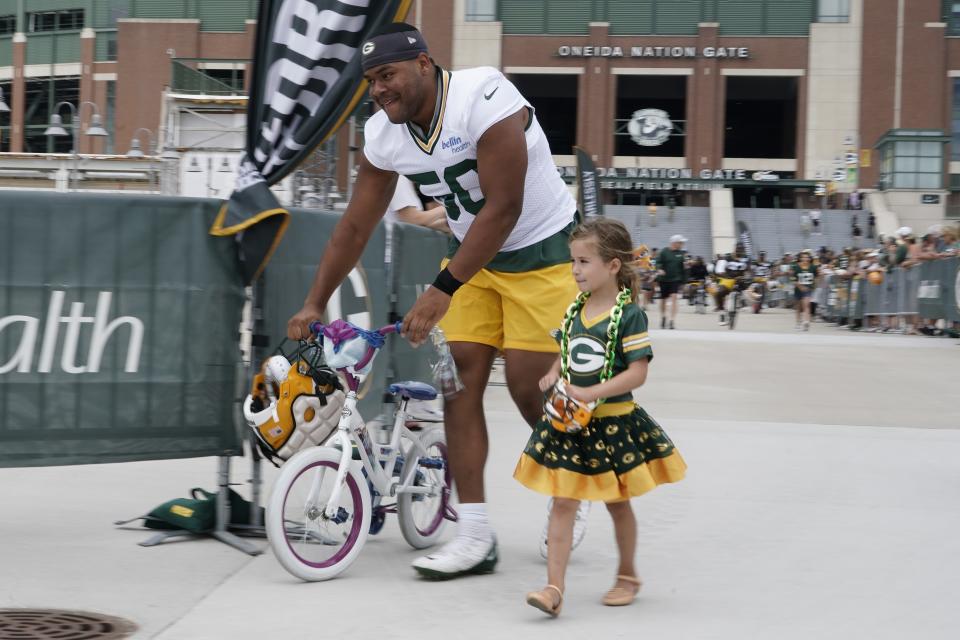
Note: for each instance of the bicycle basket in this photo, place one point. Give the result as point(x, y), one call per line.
point(295, 406)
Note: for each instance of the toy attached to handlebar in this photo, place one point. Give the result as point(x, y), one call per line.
point(351, 349)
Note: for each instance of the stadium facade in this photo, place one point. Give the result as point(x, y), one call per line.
point(118, 54)
point(784, 102)
point(773, 99)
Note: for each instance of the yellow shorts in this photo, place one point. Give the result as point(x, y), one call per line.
point(511, 310)
point(728, 283)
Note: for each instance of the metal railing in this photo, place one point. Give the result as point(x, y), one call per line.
point(927, 290)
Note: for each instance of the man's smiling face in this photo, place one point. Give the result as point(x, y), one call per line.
point(399, 88)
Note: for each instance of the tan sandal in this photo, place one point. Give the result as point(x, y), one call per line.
point(543, 600)
point(621, 596)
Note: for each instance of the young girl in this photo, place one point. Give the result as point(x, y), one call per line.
point(804, 277)
point(621, 452)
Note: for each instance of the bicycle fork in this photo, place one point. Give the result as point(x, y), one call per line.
point(330, 511)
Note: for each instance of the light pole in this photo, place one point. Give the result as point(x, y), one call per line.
point(136, 150)
point(56, 129)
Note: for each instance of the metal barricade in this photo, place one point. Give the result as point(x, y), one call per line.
point(826, 295)
point(856, 298)
point(927, 290)
point(785, 291)
point(873, 305)
point(841, 293)
point(820, 297)
point(908, 284)
point(931, 290)
point(951, 280)
point(889, 293)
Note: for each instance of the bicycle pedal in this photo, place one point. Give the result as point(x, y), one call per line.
point(377, 521)
point(340, 517)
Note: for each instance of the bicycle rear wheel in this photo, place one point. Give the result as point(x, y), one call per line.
point(308, 544)
point(423, 516)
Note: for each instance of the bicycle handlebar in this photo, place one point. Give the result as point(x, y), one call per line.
point(316, 328)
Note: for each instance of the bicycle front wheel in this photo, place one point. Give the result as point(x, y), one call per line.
point(309, 544)
point(423, 515)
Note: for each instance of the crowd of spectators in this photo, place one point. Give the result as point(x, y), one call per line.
point(902, 250)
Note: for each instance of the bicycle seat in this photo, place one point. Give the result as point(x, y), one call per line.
point(412, 390)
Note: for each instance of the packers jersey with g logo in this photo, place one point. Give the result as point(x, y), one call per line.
point(805, 275)
point(588, 341)
point(442, 161)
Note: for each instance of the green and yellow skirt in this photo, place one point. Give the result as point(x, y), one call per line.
point(616, 457)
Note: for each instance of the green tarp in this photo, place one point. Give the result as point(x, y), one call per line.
point(362, 299)
point(119, 321)
point(118, 330)
point(417, 253)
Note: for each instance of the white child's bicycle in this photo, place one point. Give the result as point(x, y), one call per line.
point(328, 499)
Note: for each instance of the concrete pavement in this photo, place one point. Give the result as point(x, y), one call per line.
point(820, 503)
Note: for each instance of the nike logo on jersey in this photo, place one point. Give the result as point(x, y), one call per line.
point(487, 96)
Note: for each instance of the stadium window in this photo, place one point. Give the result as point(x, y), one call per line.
point(481, 11)
point(953, 19)
point(111, 113)
point(911, 163)
point(761, 117)
point(5, 129)
point(8, 25)
point(71, 20)
point(233, 78)
point(42, 94)
point(66, 20)
point(833, 11)
point(554, 98)
point(955, 122)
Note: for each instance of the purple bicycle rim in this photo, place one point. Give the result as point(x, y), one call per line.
point(444, 496)
point(354, 531)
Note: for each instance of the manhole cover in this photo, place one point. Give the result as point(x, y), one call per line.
point(56, 624)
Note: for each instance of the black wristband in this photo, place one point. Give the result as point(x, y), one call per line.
point(446, 282)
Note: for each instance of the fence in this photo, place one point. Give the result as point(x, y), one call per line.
point(118, 330)
point(119, 322)
point(928, 290)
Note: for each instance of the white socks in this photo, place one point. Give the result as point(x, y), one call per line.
point(472, 521)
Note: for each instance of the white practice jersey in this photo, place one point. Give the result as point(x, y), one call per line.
point(443, 160)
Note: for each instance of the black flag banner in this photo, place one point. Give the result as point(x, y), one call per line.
point(588, 193)
point(745, 238)
point(306, 83)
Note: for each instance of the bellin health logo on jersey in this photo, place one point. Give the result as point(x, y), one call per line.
point(455, 144)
